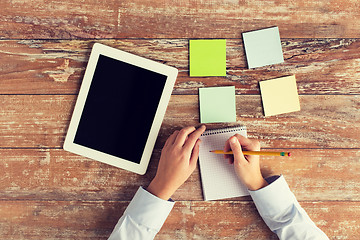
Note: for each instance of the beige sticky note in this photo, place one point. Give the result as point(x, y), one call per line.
point(279, 95)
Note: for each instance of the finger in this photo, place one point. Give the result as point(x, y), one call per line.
point(237, 151)
point(181, 137)
point(195, 154)
point(190, 142)
point(172, 138)
point(251, 145)
point(226, 149)
point(248, 144)
point(229, 157)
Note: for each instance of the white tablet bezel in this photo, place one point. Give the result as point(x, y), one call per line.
point(170, 72)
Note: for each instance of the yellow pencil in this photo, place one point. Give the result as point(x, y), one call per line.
point(255, 153)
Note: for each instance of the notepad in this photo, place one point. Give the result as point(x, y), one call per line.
point(207, 57)
point(218, 177)
point(279, 95)
point(217, 104)
point(263, 47)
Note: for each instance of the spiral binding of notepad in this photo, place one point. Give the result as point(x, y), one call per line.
point(224, 130)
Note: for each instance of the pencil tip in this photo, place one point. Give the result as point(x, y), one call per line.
point(289, 154)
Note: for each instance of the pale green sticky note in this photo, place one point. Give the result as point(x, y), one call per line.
point(263, 47)
point(217, 104)
point(207, 57)
point(279, 95)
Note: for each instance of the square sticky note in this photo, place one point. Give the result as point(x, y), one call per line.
point(279, 95)
point(217, 104)
point(207, 57)
point(263, 47)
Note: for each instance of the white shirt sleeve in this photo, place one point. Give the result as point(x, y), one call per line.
point(143, 218)
point(283, 214)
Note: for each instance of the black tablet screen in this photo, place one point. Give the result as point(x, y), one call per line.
point(120, 109)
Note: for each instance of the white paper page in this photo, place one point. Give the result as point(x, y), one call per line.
point(218, 177)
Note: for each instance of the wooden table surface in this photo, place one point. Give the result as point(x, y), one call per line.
point(47, 193)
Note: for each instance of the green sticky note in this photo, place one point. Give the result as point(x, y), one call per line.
point(207, 57)
point(217, 104)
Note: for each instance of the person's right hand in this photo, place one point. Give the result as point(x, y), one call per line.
point(247, 168)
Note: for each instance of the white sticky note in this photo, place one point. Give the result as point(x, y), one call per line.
point(263, 47)
point(279, 95)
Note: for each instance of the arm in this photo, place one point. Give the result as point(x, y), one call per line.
point(143, 218)
point(283, 214)
point(275, 202)
point(149, 208)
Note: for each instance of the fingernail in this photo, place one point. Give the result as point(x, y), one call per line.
point(233, 140)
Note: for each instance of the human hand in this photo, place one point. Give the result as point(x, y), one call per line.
point(247, 168)
point(177, 162)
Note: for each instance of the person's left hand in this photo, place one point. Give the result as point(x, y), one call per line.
point(177, 162)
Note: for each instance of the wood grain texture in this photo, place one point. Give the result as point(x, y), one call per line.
point(56, 175)
point(41, 19)
point(324, 121)
point(47, 193)
point(321, 66)
point(241, 221)
point(188, 220)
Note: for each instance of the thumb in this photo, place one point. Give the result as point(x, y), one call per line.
point(236, 149)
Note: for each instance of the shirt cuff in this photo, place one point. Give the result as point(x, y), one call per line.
point(144, 206)
point(274, 198)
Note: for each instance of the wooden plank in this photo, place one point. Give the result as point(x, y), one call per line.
point(188, 220)
point(237, 220)
point(67, 19)
point(321, 66)
point(324, 121)
point(58, 219)
point(52, 174)
point(55, 174)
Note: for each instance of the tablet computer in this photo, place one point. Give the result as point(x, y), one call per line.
point(120, 108)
